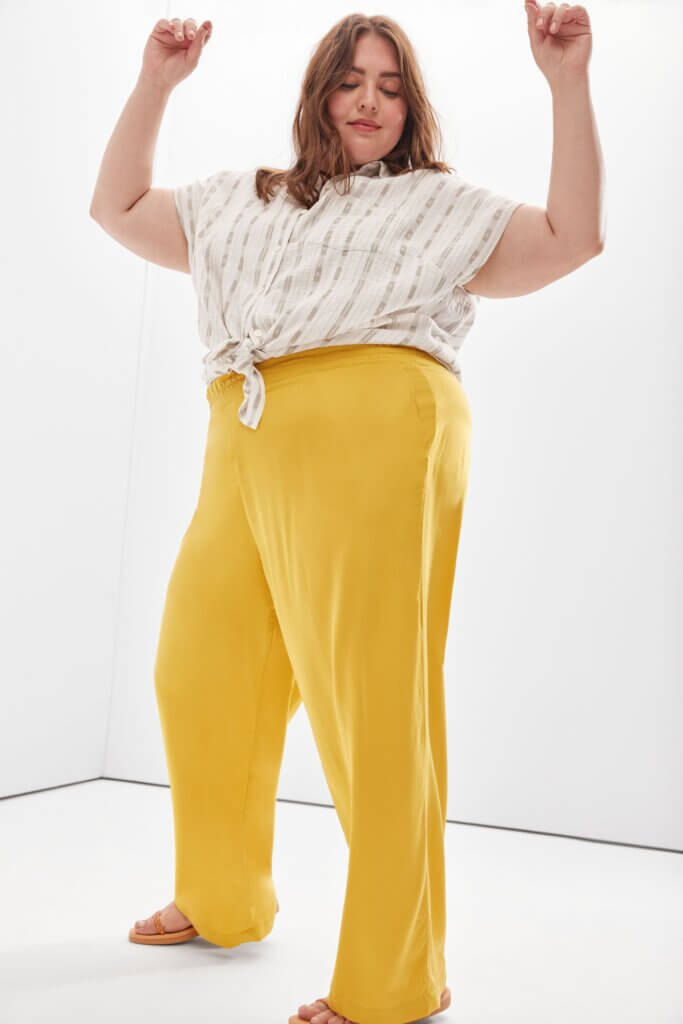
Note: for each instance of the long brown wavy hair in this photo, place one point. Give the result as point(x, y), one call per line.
point(317, 143)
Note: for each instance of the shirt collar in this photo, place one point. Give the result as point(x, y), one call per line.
point(374, 169)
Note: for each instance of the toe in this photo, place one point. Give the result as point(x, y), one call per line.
point(309, 1010)
point(324, 1014)
point(323, 1017)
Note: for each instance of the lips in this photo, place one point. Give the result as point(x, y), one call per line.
point(367, 124)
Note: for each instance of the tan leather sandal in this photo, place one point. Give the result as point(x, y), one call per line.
point(445, 1003)
point(164, 937)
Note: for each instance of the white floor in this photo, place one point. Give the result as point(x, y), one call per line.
point(540, 929)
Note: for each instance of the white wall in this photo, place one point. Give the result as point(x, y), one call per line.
point(564, 658)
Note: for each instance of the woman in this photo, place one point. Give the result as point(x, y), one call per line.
point(319, 563)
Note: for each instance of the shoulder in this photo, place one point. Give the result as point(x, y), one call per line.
point(448, 186)
point(224, 182)
point(469, 195)
point(195, 194)
point(450, 183)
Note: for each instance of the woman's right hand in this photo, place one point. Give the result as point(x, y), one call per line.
point(173, 49)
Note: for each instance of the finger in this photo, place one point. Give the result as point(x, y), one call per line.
point(197, 36)
point(544, 15)
point(559, 17)
point(183, 30)
point(190, 28)
point(532, 10)
point(579, 14)
point(176, 27)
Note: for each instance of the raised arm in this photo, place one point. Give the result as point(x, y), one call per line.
point(541, 245)
point(142, 218)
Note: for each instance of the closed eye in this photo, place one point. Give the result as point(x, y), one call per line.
point(349, 86)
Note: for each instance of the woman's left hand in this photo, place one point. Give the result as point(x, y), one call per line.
point(565, 49)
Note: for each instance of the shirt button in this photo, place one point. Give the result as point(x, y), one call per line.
point(258, 333)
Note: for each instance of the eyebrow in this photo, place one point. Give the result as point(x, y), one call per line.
point(382, 74)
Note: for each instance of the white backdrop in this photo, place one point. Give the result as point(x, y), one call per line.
point(564, 661)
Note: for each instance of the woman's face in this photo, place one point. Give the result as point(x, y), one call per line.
point(375, 92)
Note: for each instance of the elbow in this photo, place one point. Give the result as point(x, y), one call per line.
point(590, 251)
point(598, 244)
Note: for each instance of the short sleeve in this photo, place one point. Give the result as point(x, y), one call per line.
point(481, 219)
point(191, 201)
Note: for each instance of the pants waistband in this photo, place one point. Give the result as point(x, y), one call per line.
point(325, 354)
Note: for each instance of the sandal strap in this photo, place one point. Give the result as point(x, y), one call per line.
point(157, 923)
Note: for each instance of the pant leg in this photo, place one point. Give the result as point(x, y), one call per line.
point(354, 484)
point(225, 692)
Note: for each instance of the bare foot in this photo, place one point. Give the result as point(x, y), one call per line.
point(171, 918)
point(320, 1012)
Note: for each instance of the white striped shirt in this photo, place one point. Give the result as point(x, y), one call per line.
point(385, 264)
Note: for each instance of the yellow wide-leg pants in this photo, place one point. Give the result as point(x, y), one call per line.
point(318, 567)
